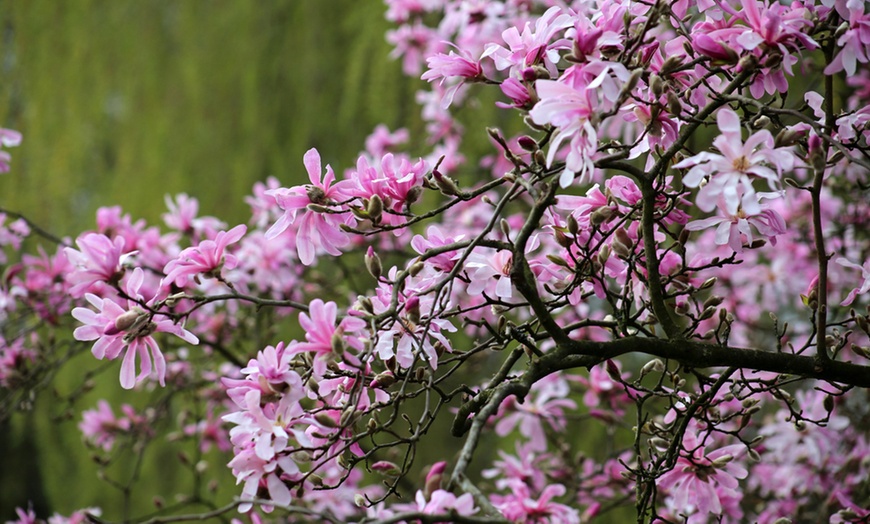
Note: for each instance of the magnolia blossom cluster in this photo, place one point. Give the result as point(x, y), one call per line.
point(673, 189)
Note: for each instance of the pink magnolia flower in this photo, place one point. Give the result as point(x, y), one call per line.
point(114, 328)
point(729, 172)
point(547, 403)
point(99, 259)
point(517, 92)
point(532, 46)
point(702, 479)
point(570, 105)
point(317, 231)
point(382, 141)
point(452, 66)
point(269, 373)
point(735, 231)
point(521, 507)
point(182, 216)
point(326, 340)
point(207, 259)
point(443, 502)
point(101, 427)
point(414, 335)
point(435, 239)
point(865, 275)
point(855, 42)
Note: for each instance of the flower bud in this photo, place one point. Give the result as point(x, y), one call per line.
point(413, 195)
point(787, 137)
point(656, 84)
point(601, 215)
point(325, 420)
point(446, 184)
point(385, 467)
point(671, 64)
point(708, 283)
point(749, 62)
point(412, 309)
point(675, 107)
point(434, 478)
point(373, 263)
point(416, 267)
point(604, 254)
point(653, 366)
point(528, 143)
point(316, 195)
point(383, 380)
point(126, 321)
point(337, 343)
point(375, 209)
point(573, 226)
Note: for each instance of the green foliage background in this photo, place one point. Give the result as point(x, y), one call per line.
point(124, 101)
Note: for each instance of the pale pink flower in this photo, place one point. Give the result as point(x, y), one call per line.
point(382, 141)
point(532, 46)
point(729, 172)
point(701, 479)
point(101, 427)
point(316, 231)
point(548, 402)
point(182, 216)
point(855, 42)
point(865, 284)
point(570, 104)
point(443, 502)
point(115, 327)
point(8, 138)
point(735, 231)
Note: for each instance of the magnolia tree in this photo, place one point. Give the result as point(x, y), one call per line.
point(673, 255)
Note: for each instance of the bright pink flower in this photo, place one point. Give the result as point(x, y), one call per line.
point(207, 259)
point(517, 92)
point(522, 508)
point(326, 340)
point(99, 261)
point(316, 230)
point(443, 67)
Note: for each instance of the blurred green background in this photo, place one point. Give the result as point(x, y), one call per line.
point(125, 101)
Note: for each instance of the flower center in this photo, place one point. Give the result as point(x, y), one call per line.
point(741, 164)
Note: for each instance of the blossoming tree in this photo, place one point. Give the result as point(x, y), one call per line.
point(674, 252)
